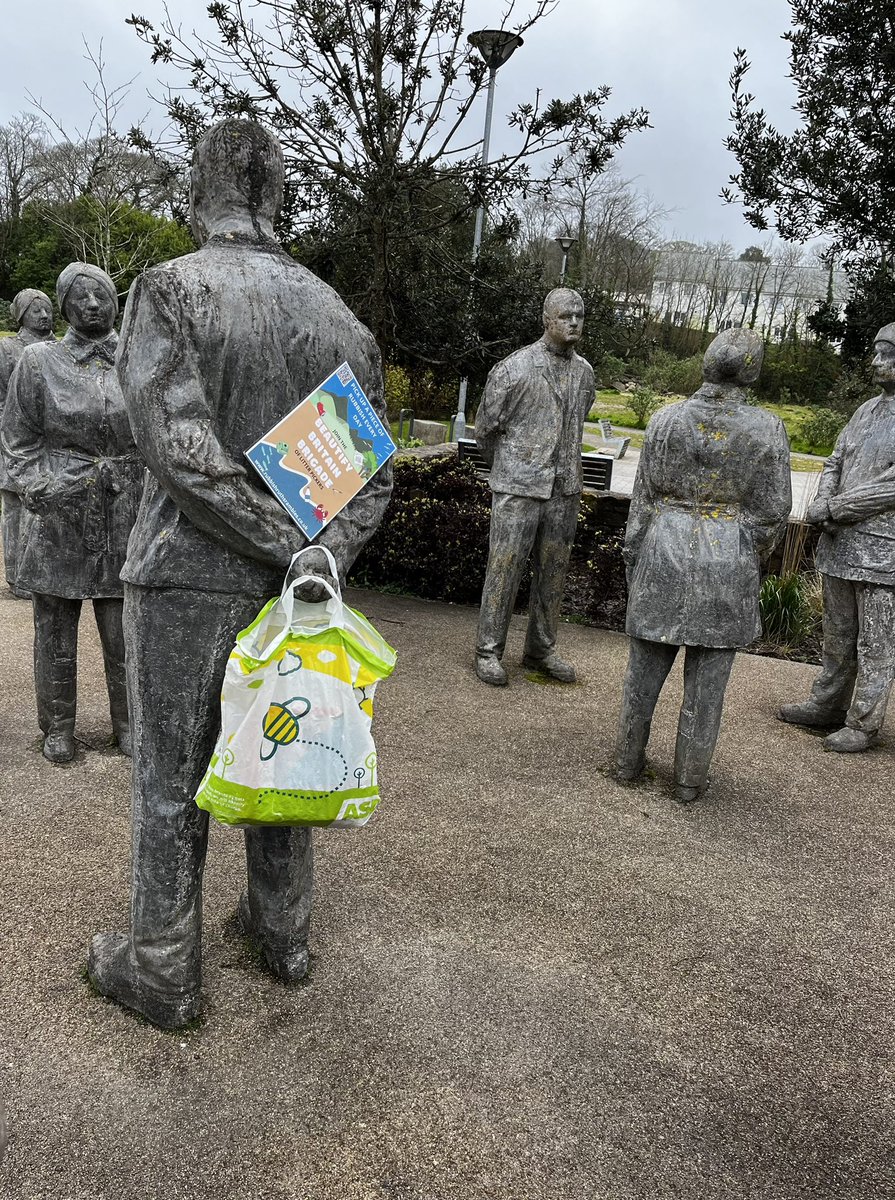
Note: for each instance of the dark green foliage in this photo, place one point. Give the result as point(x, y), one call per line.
point(872, 305)
point(673, 376)
point(433, 543)
point(433, 540)
point(834, 175)
point(808, 372)
point(854, 385)
point(643, 402)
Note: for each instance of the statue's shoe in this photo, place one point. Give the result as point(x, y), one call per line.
point(628, 772)
point(289, 966)
point(122, 738)
point(811, 716)
point(490, 670)
point(113, 973)
point(849, 741)
point(685, 793)
point(554, 666)
point(59, 746)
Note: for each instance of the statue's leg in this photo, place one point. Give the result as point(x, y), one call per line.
point(276, 911)
point(833, 688)
point(550, 561)
point(12, 524)
point(648, 667)
point(514, 522)
point(177, 642)
point(56, 672)
point(109, 623)
point(876, 658)
point(706, 672)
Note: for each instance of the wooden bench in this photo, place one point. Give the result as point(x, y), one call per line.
point(619, 444)
point(596, 467)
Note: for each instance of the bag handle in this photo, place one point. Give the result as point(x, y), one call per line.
point(334, 570)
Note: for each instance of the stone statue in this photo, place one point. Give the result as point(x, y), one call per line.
point(711, 499)
point(216, 347)
point(70, 453)
point(32, 313)
point(855, 508)
point(529, 427)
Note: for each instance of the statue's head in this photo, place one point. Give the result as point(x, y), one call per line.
point(32, 310)
point(563, 319)
point(884, 358)
point(734, 357)
point(237, 175)
point(87, 299)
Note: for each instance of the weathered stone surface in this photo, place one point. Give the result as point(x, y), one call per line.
point(710, 501)
point(216, 347)
point(529, 427)
point(71, 456)
point(32, 312)
point(855, 509)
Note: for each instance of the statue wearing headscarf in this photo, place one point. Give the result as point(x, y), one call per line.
point(711, 499)
point(70, 452)
point(32, 314)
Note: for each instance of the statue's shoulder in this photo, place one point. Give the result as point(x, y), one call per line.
point(522, 361)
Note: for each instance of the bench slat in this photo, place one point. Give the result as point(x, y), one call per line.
point(596, 468)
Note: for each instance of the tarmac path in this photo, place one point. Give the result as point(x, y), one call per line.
point(528, 983)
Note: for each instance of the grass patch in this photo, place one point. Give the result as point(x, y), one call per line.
point(810, 465)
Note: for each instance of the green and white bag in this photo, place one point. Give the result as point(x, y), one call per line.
point(296, 746)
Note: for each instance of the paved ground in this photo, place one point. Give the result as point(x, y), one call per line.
point(529, 982)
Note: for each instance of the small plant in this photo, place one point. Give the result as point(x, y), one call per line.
point(785, 618)
point(643, 403)
point(822, 428)
point(397, 390)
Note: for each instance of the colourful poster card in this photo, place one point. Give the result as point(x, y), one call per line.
point(322, 453)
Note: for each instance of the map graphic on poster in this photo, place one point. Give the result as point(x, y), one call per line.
point(322, 453)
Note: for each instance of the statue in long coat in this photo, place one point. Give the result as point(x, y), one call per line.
point(711, 499)
point(70, 452)
point(32, 312)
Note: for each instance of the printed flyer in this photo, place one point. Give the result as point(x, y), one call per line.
point(322, 453)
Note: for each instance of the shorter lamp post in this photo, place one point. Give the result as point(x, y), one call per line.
point(495, 47)
point(566, 243)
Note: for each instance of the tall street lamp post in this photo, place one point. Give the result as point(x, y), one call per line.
point(495, 47)
point(566, 244)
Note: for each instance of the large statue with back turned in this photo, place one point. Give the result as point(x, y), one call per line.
point(711, 499)
point(855, 508)
point(216, 347)
point(529, 427)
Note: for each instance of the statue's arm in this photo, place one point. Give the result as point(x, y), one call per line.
point(491, 412)
point(772, 494)
point(869, 500)
point(23, 436)
point(642, 508)
point(818, 512)
point(174, 429)
point(348, 533)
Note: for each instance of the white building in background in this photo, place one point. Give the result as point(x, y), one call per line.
point(709, 287)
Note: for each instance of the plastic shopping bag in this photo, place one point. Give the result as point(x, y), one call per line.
point(296, 746)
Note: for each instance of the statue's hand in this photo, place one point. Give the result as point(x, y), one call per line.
point(314, 563)
point(818, 512)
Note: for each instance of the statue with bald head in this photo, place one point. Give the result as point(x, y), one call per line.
point(855, 509)
point(216, 348)
point(32, 314)
point(711, 499)
point(529, 427)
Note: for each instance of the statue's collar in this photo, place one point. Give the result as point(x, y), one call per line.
point(83, 349)
point(28, 338)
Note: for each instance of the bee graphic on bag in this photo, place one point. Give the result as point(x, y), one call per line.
point(280, 726)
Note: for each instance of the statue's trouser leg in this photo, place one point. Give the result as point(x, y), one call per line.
point(832, 690)
point(178, 642)
point(514, 524)
point(56, 661)
point(876, 657)
point(12, 519)
point(706, 672)
point(550, 560)
point(108, 615)
point(280, 866)
point(648, 667)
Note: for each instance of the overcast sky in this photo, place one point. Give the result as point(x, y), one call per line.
point(673, 57)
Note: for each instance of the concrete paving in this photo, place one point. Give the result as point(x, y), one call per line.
point(529, 982)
